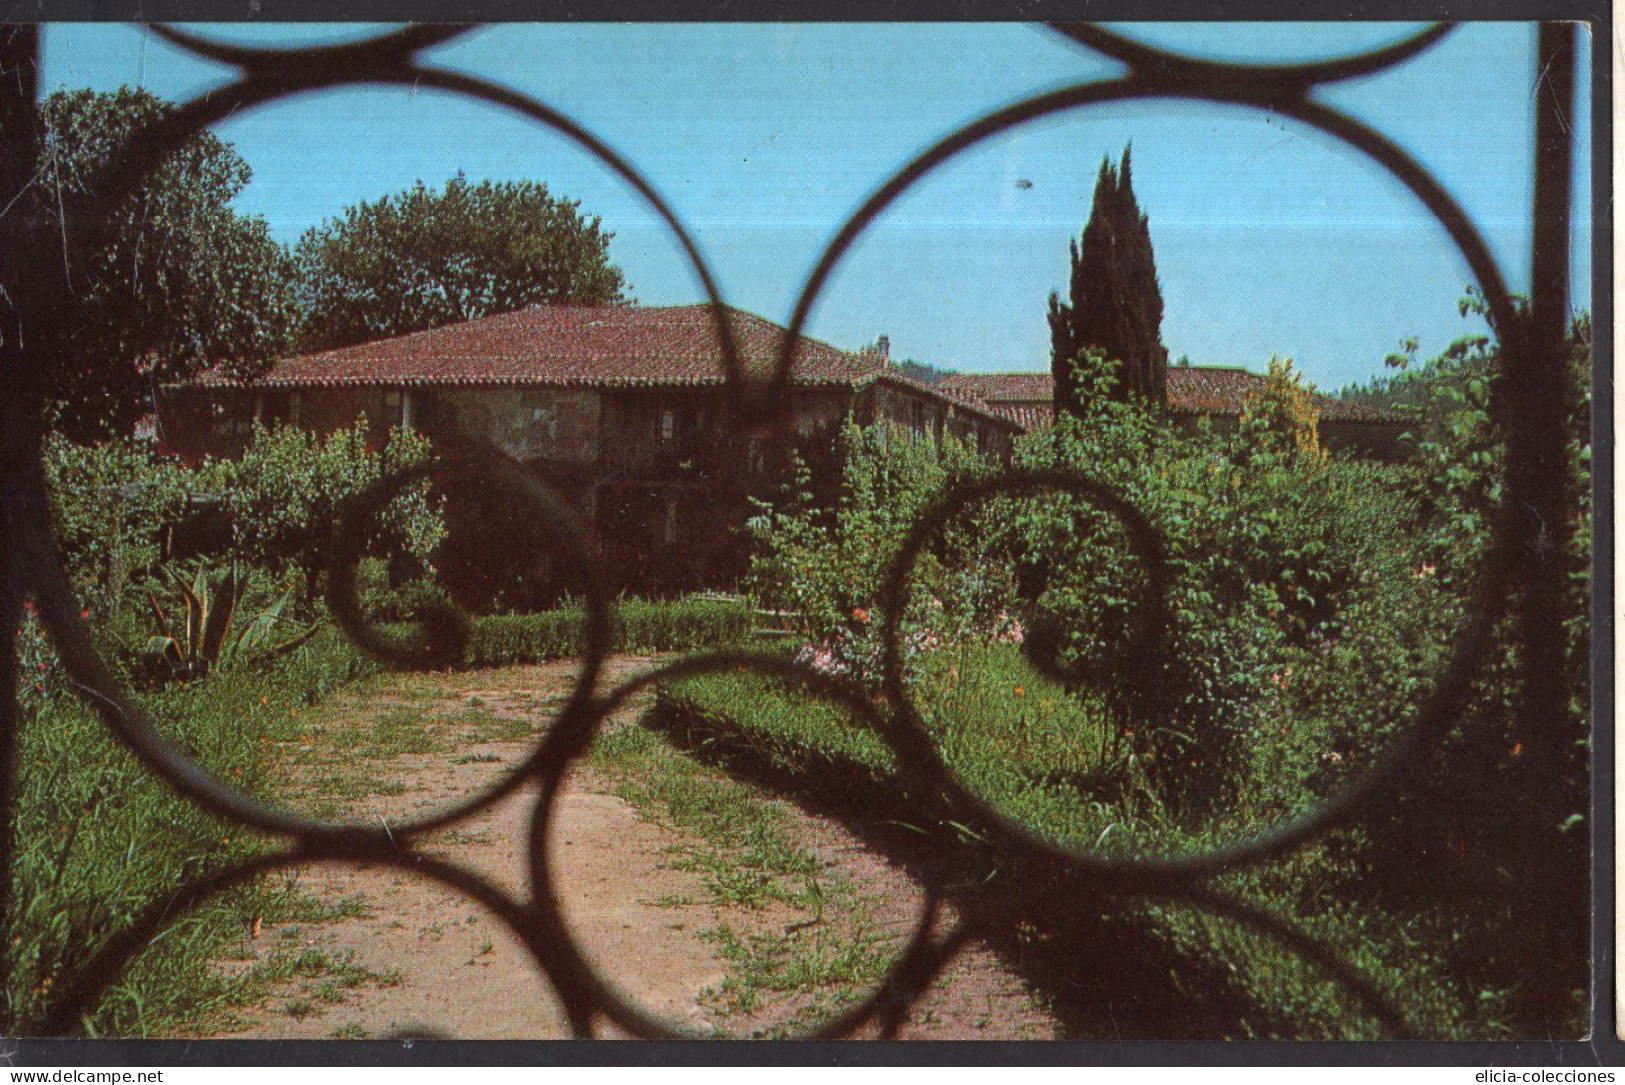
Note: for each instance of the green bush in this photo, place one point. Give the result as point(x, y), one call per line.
point(1058, 766)
point(1314, 601)
point(98, 838)
point(689, 624)
point(289, 487)
point(1275, 552)
point(1524, 829)
point(821, 566)
point(112, 503)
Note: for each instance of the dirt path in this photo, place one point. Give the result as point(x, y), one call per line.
point(382, 953)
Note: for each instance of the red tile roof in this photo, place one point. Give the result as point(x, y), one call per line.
point(555, 345)
point(1027, 397)
point(570, 345)
point(1025, 387)
point(1029, 416)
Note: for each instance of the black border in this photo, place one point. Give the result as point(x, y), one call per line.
point(800, 10)
point(1602, 1049)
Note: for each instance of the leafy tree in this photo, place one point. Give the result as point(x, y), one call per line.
point(186, 281)
point(111, 502)
point(290, 487)
point(925, 374)
point(1283, 410)
point(1115, 304)
point(428, 257)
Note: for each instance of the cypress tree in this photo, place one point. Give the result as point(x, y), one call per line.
point(1115, 304)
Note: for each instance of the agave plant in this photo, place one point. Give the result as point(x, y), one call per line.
point(203, 637)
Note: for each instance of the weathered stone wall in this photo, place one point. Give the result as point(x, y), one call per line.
point(559, 424)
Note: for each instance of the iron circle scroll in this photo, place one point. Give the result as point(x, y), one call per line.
point(589, 994)
point(1140, 55)
point(270, 76)
point(1280, 91)
point(103, 969)
point(445, 630)
point(1147, 628)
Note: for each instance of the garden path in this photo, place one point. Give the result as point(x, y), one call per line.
point(398, 955)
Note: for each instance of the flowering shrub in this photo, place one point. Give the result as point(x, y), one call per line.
point(823, 566)
point(39, 671)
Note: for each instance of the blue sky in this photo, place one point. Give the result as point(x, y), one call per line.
point(1270, 239)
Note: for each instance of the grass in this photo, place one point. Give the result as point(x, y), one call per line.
point(311, 980)
point(330, 786)
point(99, 838)
point(731, 835)
point(819, 947)
point(1053, 763)
point(817, 970)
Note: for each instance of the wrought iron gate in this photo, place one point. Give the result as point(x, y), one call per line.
point(1520, 582)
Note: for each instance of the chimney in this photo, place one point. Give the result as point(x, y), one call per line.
point(883, 346)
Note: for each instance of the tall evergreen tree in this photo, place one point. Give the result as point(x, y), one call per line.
point(1115, 304)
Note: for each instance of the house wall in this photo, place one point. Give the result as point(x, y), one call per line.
point(662, 473)
point(187, 420)
point(325, 410)
point(557, 424)
point(927, 416)
point(817, 411)
point(655, 427)
point(647, 427)
point(675, 474)
point(885, 404)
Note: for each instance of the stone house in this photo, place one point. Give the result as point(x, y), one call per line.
point(1216, 393)
point(621, 408)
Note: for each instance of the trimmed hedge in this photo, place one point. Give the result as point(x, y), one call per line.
point(678, 625)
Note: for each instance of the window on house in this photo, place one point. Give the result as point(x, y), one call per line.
point(544, 421)
point(233, 419)
point(392, 408)
point(668, 424)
